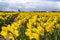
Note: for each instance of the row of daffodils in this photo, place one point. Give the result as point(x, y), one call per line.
point(30, 26)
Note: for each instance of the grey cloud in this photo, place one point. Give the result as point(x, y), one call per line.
point(3, 5)
point(30, 6)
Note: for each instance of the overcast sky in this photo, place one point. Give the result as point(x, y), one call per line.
point(30, 5)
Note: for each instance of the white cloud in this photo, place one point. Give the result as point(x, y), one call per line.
point(20, 1)
point(58, 5)
point(40, 4)
point(32, 4)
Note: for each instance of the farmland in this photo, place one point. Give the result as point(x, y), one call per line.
point(30, 25)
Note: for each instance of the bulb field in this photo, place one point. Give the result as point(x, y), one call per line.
point(30, 25)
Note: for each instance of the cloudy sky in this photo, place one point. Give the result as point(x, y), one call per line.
point(30, 5)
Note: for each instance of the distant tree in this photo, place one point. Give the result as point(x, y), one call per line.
point(19, 10)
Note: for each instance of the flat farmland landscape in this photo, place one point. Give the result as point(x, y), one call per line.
point(30, 25)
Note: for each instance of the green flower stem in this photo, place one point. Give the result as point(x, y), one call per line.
point(12, 34)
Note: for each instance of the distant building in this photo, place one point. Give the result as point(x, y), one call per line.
point(46, 11)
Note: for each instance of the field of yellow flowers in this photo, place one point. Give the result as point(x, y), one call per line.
point(30, 25)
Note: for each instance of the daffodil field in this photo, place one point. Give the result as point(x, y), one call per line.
point(30, 25)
